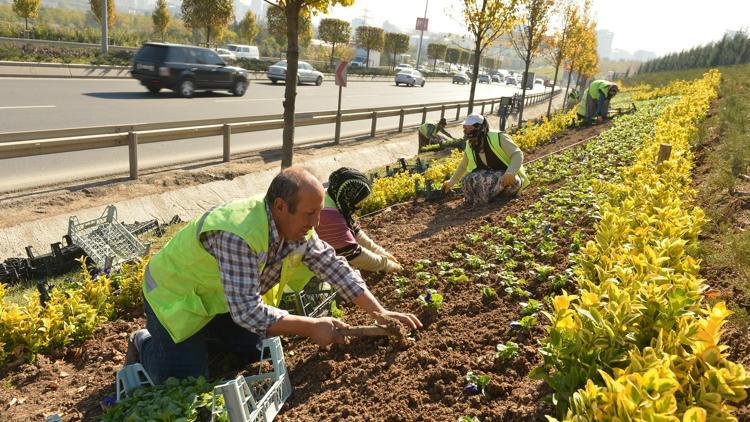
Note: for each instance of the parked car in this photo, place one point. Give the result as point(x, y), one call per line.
point(305, 73)
point(460, 78)
point(226, 55)
point(409, 77)
point(358, 62)
point(538, 81)
point(403, 66)
point(421, 68)
point(244, 51)
point(511, 80)
point(484, 79)
point(186, 69)
point(496, 78)
point(548, 83)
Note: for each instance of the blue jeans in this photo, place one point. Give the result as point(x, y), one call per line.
point(163, 358)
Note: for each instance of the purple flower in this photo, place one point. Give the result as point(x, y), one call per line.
point(428, 297)
point(515, 324)
point(471, 388)
point(109, 401)
point(548, 228)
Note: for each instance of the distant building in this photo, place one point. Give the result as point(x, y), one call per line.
point(604, 43)
point(389, 27)
point(644, 56)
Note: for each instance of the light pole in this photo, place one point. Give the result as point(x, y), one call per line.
point(421, 34)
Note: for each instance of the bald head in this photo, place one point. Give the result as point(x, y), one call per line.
point(290, 183)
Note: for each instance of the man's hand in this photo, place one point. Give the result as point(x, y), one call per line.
point(410, 320)
point(325, 331)
point(446, 186)
point(508, 180)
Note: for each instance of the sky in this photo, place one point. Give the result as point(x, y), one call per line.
point(660, 26)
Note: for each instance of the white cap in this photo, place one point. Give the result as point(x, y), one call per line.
point(473, 119)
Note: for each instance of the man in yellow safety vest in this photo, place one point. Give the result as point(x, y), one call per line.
point(595, 103)
point(429, 133)
point(213, 286)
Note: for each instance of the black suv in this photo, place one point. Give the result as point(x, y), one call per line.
point(185, 69)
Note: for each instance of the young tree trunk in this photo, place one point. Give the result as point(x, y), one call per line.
point(554, 84)
point(567, 87)
point(27, 24)
point(475, 75)
point(524, 81)
point(333, 52)
point(367, 65)
point(434, 64)
point(291, 10)
point(394, 60)
point(208, 35)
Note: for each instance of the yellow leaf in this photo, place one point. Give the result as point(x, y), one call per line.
point(694, 414)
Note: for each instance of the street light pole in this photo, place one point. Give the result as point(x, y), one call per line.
point(421, 34)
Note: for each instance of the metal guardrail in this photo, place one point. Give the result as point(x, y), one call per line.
point(41, 142)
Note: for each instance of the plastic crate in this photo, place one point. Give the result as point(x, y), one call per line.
point(105, 240)
point(257, 398)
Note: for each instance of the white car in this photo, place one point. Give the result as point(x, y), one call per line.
point(244, 51)
point(403, 66)
point(226, 55)
point(305, 73)
point(409, 77)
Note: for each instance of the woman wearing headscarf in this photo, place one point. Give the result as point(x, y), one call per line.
point(347, 188)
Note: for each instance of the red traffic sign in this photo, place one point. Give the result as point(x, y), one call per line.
point(341, 73)
point(422, 24)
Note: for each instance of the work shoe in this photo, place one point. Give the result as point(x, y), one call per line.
point(135, 342)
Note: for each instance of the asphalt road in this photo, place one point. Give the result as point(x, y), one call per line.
point(34, 104)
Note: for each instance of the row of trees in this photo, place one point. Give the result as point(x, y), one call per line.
point(526, 23)
point(731, 50)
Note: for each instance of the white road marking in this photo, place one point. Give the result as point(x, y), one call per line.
point(39, 106)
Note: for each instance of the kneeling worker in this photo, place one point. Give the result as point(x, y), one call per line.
point(493, 163)
point(203, 289)
point(595, 103)
point(429, 133)
point(347, 188)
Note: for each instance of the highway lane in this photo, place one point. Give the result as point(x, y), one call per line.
point(30, 104)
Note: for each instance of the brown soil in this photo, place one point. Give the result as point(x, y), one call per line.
point(369, 379)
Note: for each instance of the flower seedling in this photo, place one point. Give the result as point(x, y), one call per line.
point(431, 300)
point(517, 291)
point(488, 293)
point(526, 322)
point(472, 239)
point(422, 264)
point(455, 255)
point(473, 261)
point(531, 307)
point(476, 383)
point(400, 286)
point(335, 311)
point(506, 351)
point(543, 271)
point(426, 278)
point(454, 275)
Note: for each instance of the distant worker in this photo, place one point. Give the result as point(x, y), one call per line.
point(493, 163)
point(595, 103)
point(429, 133)
point(347, 188)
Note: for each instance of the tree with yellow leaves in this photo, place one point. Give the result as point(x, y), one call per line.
point(560, 40)
point(486, 21)
point(534, 19)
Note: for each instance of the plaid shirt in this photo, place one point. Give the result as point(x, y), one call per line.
point(244, 285)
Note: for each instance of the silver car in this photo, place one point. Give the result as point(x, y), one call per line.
point(409, 77)
point(305, 73)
